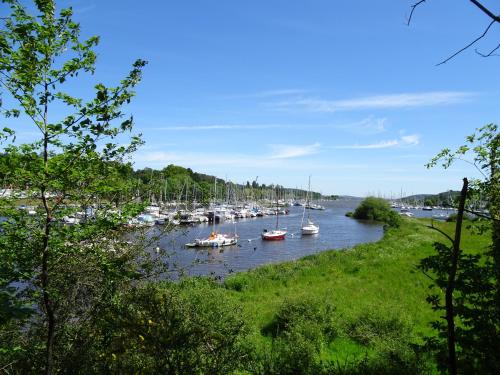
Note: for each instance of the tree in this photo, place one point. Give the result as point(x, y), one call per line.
point(471, 282)
point(484, 148)
point(72, 167)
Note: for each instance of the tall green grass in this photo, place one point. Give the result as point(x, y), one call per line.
point(377, 295)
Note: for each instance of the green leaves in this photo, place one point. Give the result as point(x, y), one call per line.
point(71, 174)
point(5, 133)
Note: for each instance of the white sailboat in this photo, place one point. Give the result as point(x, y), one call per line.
point(310, 227)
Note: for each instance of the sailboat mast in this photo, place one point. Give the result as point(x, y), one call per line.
point(277, 211)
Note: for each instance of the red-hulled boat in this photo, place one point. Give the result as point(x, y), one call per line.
point(273, 235)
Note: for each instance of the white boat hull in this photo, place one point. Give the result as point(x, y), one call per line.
point(310, 229)
point(215, 240)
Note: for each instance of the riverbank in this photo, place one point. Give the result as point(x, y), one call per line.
point(356, 311)
point(377, 294)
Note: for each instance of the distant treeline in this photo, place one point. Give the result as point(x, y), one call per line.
point(172, 183)
point(175, 183)
point(444, 199)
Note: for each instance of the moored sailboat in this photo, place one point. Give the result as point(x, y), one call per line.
point(275, 234)
point(310, 227)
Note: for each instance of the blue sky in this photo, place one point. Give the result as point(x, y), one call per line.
point(282, 89)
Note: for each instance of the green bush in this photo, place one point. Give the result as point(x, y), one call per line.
point(314, 318)
point(299, 330)
point(179, 328)
point(238, 282)
point(292, 354)
point(377, 327)
point(377, 209)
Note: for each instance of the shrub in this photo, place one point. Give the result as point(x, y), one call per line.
point(188, 327)
point(377, 327)
point(314, 318)
point(299, 329)
point(238, 282)
point(377, 209)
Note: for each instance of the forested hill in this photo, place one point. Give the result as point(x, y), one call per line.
point(444, 199)
point(174, 182)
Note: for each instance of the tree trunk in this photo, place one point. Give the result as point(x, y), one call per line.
point(495, 213)
point(47, 301)
point(46, 296)
point(450, 287)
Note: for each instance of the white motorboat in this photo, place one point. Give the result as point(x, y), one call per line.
point(215, 240)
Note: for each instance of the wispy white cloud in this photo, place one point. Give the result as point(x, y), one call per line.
point(403, 100)
point(282, 92)
point(369, 125)
point(413, 139)
point(268, 94)
point(219, 127)
point(381, 144)
point(204, 160)
point(408, 140)
point(84, 9)
point(277, 158)
point(293, 151)
point(156, 156)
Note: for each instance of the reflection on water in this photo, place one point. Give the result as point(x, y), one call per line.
point(336, 232)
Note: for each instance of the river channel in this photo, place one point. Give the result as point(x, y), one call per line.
point(336, 232)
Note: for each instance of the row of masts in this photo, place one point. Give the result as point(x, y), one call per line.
point(227, 192)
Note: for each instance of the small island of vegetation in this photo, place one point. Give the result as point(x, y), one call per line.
point(376, 209)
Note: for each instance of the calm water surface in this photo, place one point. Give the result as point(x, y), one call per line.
point(336, 232)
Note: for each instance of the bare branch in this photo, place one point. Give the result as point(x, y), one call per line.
point(429, 276)
point(413, 10)
point(480, 215)
point(491, 53)
point(486, 11)
point(440, 231)
point(474, 165)
point(468, 45)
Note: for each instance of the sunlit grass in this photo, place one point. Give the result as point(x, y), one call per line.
point(379, 278)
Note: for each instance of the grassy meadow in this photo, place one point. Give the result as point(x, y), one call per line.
point(373, 293)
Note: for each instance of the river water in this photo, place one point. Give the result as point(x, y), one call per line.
point(336, 232)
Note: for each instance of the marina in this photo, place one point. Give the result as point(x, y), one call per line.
point(337, 232)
